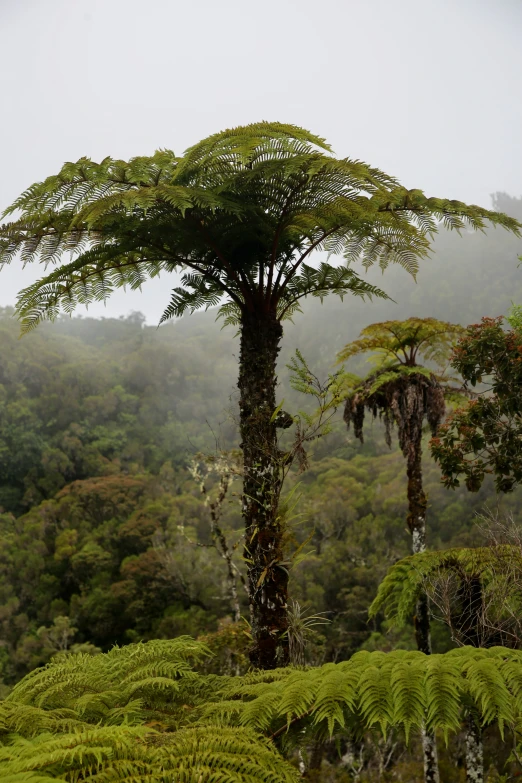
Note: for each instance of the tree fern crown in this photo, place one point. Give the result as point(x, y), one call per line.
point(238, 215)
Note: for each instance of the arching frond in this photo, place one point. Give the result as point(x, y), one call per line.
point(142, 710)
point(247, 206)
point(409, 577)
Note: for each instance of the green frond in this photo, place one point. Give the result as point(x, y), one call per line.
point(444, 688)
point(76, 717)
point(407, 685)
point(490, 692)
point(198, 755)
point(196, 292)
point(324, 280)
point(230, 312)
point(243, 209)
point(409, 577)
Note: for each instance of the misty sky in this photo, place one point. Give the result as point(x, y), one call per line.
point(427, 90)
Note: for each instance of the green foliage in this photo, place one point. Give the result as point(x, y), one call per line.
point(408, 578)
point(108, 560)
point(238, 214)
point(110, 754)
point(484, 437)
point(326, 396)
point(405, 342)
point(514, 317)
point(143, 710)
point(400, 391)
point(89, 398)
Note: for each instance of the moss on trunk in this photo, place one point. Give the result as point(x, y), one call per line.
point(267, 576)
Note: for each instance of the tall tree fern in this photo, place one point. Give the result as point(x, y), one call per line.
point(239, 215)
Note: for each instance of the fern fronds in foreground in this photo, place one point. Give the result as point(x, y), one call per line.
point(108, 754)
point(403, 689)
point(142, 713)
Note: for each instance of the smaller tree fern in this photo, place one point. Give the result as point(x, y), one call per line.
point(478, 592)
point(402, 392)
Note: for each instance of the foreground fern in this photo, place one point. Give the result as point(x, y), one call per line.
point(404, 689)
point(142, 713)
point(104, 754)
point(122, 716)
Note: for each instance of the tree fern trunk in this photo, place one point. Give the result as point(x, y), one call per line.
point(267, 577)
point(417, 524)
point(474, 751)
point(431, 761)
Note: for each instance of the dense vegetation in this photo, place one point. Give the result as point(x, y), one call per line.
point(144, 709)
point(241, 217)
point(101, 518)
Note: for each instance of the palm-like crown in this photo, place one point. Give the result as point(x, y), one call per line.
point(239, 214)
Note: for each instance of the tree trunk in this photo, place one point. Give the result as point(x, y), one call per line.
point(267, 577)
point(417, 524)
point(474, 751)
point(431, 761)
point(417, 504)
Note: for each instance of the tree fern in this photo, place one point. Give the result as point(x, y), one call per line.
point(239, 215)
point(211, 728)
point(409, 577)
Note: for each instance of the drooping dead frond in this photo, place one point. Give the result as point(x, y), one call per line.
point(400, 396)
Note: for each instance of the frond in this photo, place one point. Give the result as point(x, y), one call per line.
point(197, 291)
point(245, 207)
point(324, 280)
point(406, 579)
point(198, 755)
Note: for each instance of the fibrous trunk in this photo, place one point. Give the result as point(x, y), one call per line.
point(474, 751)
point(417, 524)
point(267, 576)
point(431, 762)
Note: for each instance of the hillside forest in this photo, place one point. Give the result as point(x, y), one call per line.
point(121, 529)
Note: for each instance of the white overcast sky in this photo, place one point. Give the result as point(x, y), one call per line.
point(428, 90)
